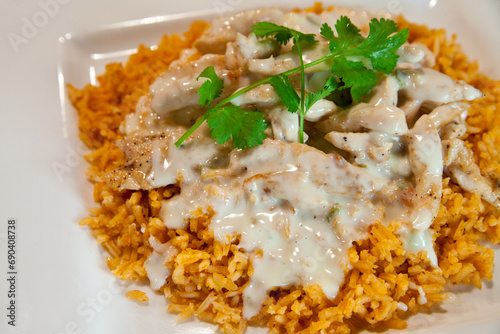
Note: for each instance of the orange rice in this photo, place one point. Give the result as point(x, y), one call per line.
point(208, 277)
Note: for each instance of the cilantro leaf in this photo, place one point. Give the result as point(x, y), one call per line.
point(355, 75)
point(246, 127)
point(348, 34)
point(327, 32)
point(330, 85)
point(210, 89)
point(286, 92)
point(379, 47)
point(357, 58)
point(281, 33)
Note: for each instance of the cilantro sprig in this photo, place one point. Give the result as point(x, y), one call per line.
point(210, 89)
point(245, 127)
point(281, 83)
point(282, 34)
point(294, 103)
point(353, 59)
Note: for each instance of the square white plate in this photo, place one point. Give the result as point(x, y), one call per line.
point(63, 284)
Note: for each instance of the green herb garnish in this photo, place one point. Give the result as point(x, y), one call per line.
point(210, 89)
point(246, 127)
point(229, 121)
point(353, 60)
point(334, 212)
point(357, 58)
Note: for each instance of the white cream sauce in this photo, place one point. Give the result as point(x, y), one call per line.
point(155, 264)
point(415, 241)
point(282, 199)
point(426, 84)
point(296, 209)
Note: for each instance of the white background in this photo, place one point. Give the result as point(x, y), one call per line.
point(63, 284)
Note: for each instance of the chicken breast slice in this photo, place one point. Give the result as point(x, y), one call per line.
point(383, 118)
point(425, 157)
point(177, 88)
point(154, 161)
point(459, 162)
point(330, 172)
point(426, 85)
point(226, 28)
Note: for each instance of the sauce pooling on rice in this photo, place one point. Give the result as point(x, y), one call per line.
point(298, 207)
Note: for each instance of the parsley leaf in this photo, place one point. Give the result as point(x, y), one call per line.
point(281, 33)
point(246, 127)
point(210, 89)
point(286, 92)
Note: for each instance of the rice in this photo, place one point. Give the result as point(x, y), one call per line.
point(138, 295)
point(385, 283)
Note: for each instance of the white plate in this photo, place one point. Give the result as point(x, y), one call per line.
point(62, 282)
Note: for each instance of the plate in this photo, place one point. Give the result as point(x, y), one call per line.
point(61, 281)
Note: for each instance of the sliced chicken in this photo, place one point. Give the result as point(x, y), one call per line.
point(459, 162)
point(455, 129)
point(263, 96)
point(248, 47)
point(386, 92)
point(154, 161)
point(178, 88)
point(291, 60)
point(148, 122)
point(415, 55)
point(138, 154)
point(383, 118)
point(226, 28)
point(425, 157)
point(320, 110)
point(285, 125)
point(426, 85)
point(450, 119)
point(362, 145)
point(444, 114)
point(330, 172)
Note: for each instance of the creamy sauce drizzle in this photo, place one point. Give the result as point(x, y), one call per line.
point(155, 264)
point(280, 200)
